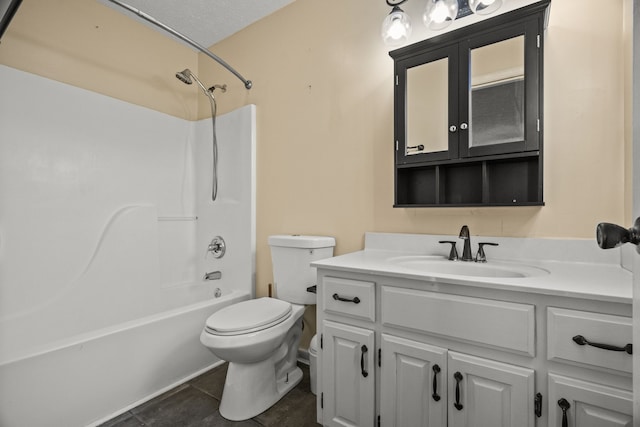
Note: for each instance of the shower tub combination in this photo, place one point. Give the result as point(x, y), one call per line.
point(112, 370)
point(102, 298)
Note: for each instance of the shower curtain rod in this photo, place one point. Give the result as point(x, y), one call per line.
point(247, 83)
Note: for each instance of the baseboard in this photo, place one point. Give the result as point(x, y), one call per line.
point(303, 356)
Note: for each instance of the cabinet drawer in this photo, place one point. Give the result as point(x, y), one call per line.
point(563, 325)
point(501, 324)
point(353, 298)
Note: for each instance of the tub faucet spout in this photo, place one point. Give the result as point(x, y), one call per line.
point(466, 252)
point(214, 275)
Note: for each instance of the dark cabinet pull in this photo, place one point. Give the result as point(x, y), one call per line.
point(537, 405)
point(580, 340)
point(458, 377)
point(436, 371)
point(363, 350)
point(564, 405)
point(354, 300)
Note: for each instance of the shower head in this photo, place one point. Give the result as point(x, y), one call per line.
point(184, 76)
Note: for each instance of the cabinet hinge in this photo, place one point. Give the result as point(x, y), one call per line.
point(378, 420)
point(396, 80)
point(321, 341)
point(379, 357)
point(538, 125)
point(321, 400)
point(537, 405)
point(396, 145)
point(538, 41)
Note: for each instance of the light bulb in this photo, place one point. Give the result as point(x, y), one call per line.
point(440, 14)
point(396, 28)
point(484, 7)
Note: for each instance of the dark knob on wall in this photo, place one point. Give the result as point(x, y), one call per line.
point(611, 235)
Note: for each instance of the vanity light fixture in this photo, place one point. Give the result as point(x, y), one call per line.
point(396, 27)
point(438, 14)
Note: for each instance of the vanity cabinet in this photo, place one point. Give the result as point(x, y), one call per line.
point(396, 351)
point(601, 342)
point(468, 114)
point(425, 385)
point(577, 403)
point(348, 361)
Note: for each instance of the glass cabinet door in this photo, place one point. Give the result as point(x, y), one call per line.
point(500, 105)
point(426, 86)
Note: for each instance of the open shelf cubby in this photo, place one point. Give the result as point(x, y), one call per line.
point(497, 181)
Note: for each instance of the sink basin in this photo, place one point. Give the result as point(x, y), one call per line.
point(440, 265)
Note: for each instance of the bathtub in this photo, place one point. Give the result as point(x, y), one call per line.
point(93, 377)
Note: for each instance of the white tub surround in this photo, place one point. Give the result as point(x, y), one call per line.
point(438, 348)
point(105, 218)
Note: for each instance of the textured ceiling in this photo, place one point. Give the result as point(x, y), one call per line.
point(204, 21)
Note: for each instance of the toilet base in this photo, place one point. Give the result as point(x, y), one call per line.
point(252, 389)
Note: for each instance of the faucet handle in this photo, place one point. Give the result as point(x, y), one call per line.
point(481, 257)
point(453, 255)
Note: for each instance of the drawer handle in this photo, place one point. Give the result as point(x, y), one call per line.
point(354, 300)
point(458, 377)
point(436, 371)
point(564, 405)
point(363, 350)
point(580, 340)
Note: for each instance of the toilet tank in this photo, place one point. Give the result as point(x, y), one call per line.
point(290, 258)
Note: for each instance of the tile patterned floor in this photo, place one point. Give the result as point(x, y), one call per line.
point(196, 402)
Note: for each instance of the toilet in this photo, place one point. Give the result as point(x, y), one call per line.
point(260, 337)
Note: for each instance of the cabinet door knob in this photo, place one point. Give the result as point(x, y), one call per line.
point(453, 128)
point(458, 377)
point(464, 126)
point(436, 371)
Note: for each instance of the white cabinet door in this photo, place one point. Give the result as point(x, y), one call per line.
point(348, 375)
point(577, 403)
point(486, 393)
point(413, 390)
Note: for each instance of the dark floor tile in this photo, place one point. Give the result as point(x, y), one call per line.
point(125, 420)
point(216, 420)
point(187, 406)
point(296, 409)
point(212, 382)
point(195, 404)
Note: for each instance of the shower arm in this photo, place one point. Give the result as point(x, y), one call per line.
point(247, 83)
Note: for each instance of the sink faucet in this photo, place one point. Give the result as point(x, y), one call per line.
point(466, 252)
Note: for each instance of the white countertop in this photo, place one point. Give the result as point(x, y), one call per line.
point(603, 281)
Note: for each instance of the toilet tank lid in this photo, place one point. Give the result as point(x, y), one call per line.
point(300, 241)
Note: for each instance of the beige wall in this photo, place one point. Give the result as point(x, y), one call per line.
point(323, 87)
point(86, 44)
point(324, 95)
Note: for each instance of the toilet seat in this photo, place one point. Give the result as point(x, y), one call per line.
point(248, 316)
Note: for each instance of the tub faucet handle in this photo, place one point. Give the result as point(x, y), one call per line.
point(453, 255)
point(217, 247)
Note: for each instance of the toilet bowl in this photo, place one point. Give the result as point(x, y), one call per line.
point(262, 357)
point(260, 338)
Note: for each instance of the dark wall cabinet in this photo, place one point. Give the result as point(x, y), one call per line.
point(468, 114)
